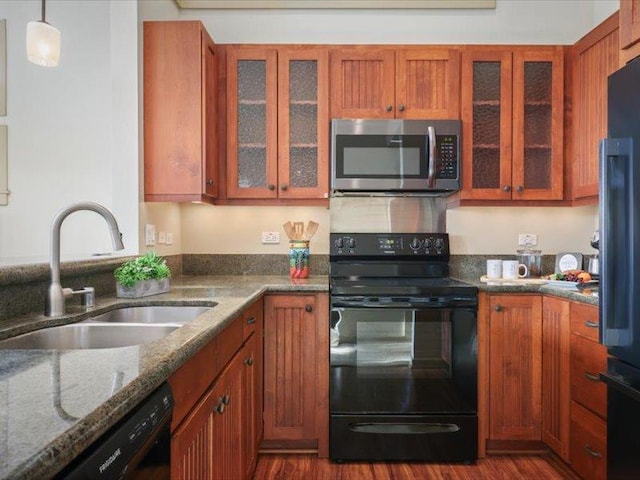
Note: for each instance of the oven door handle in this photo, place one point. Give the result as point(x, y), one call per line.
point(432, 157)
point(363, 303)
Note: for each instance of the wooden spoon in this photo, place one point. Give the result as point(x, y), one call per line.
point(289, 230)
point(312, 228)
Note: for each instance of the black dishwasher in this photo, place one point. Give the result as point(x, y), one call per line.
point(138, 447)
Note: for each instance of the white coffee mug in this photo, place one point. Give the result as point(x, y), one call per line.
point(511, 270)
point(494, 268)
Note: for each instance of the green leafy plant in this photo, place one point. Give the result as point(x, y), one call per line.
point(149, 266)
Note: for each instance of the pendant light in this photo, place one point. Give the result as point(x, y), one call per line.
point(43, 42)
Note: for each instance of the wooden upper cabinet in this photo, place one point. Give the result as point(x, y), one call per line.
point(252, 115)
point(512, 112)
point(277, 123)
point(515, 365)
point(362, 83)
point(180, 142)
point(629, 23)
point(594, 58)
point(378, 82)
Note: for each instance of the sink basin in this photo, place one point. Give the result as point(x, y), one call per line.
point(84, 335)
point(151, 314)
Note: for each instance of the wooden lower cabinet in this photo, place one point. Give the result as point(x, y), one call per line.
point(588, 443)
point(207, 444)
point(556, 333)
point(219, 436)
point(515, 367)
point(296, 372)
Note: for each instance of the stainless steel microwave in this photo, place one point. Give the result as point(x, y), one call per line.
point(395, 155)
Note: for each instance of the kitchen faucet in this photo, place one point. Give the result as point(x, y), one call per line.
point(54, 301)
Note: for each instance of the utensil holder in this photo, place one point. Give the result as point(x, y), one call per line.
point(299, 258)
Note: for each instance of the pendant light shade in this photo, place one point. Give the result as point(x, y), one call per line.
point(43, 42)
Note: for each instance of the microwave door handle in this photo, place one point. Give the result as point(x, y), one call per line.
point(432, 157)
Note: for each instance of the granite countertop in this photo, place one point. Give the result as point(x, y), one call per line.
point(53, 404)
point(588, 295)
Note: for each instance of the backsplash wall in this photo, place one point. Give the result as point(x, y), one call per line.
point(474, 230)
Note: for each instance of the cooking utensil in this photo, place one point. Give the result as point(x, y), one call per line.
point(312, 228)
point(298, 228)
point(289, 230)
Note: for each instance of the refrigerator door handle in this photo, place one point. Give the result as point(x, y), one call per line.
point(615, 165)
point(620, 386)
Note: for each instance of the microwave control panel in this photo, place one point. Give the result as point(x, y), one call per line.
point(448, 164)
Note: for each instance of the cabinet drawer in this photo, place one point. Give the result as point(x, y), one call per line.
point(588, 451)
point(228, 342)
point(585, 320)
point(251, 319)
point(588, 359)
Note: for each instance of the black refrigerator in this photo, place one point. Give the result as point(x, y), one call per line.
point(620, 271)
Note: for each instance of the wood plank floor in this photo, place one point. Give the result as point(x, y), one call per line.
point(507, 467)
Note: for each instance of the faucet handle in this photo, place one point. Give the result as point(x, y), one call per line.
point(88, 295)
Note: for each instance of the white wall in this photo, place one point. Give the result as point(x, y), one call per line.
point(72, 129)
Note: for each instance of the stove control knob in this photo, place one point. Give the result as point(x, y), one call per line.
point(338, 242)
point(351, 243)
point(415, 244)
point(427, 243)
point(439, 244)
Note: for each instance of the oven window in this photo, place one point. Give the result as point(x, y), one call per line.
point(403, 360)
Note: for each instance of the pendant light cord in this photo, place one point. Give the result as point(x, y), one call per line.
point(43, 12)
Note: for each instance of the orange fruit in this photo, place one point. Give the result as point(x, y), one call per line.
point(584, 277)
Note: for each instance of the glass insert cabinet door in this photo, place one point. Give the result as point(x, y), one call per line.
point(512, 108)
point(277, 123)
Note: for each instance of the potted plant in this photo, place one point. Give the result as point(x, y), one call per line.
point(142, 276)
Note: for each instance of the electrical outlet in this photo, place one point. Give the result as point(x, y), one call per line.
point(527, 239)
point(149, 235)
point(162, 237)
point(270, 237)
point(169, 239)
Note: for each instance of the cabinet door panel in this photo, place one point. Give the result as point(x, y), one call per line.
point(303, 123)
point(210, 102)
point(427, 83)
point(588, 444)
point(515, 364)
point(486, 122)
point(251, 123)
point(629, 23)
point(538, 90)
point(593, 61)
point(362, 83)
point(588, 359)
point(290, 369)
point(556, 332)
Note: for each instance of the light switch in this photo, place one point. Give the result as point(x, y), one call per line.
point(149, 235)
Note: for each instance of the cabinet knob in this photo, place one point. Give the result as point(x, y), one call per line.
point(507, 188)
point(249, 361)
point(498, 308)
point(271, 186)
point(251, 320)
point(591, 451)
point(401, 107)
point(520, 188)
point(209, 182)
point(308, 308)
point(591, 377)
point(283, 187)
point(220, 408)
point(389, 108)
point(226, 399)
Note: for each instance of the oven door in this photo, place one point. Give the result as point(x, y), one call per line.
point(389, 360)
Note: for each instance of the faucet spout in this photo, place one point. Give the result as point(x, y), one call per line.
point(54, 301)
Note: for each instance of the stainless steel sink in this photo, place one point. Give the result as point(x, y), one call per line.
point(84, 335)
point(151, 314)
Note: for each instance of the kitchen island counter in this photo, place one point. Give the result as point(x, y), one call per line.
point(53, 404)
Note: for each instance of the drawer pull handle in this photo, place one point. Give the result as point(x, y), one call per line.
point(589, 324)
point(220, 408)
point(226, 399)
point(591, 452)
point(251, 320)
point(498, 308)
point(592, 377)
